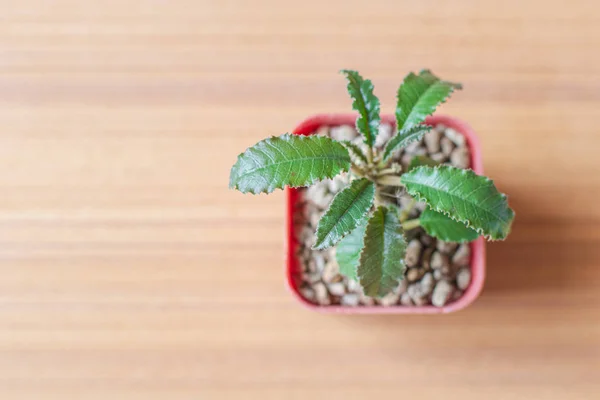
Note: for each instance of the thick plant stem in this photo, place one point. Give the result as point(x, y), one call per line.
point(388, 180)
point(411, 224)
point(370, 156)
point(406, 211)
point(357, 171)
point(387, 171)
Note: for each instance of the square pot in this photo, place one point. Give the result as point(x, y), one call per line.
point(477, 262)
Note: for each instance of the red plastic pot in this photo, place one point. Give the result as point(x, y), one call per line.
point(293, 270)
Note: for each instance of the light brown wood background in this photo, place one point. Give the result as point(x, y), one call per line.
point(129, 271)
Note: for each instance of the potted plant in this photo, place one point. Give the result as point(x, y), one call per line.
point(393, 209)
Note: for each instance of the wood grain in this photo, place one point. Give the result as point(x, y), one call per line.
point(129, 271)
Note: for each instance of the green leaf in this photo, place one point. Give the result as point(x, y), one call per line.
point(291, 160)
point(381, 264)
point(419, 96)
point(354, 150)
point(445, 228)
point(464, 196)
point(418, 161)
point(347, 252)
point(365, 102)
point(344, 213)
point(403, 138)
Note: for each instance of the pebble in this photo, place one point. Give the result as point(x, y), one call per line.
point(415, 291)
point(460, 157)
point(343, 132)
point(405, 300)
point(323, 130)
point(402, 286)
point(462, 255)
point(350, 299)
point(413, 253)
point(427, 283)
point(456, 137)
point(366, 301)
point(414, 274)
point(446, 145)
point(389, 299)
point(353, 286)
point(441, 293)
point(337, 288)
point(331, 272)
point(432, 140)
point(413, 147)
point(314, 220)
point(321, 295)
point(439, 157)
point(426, 260)
point(338, 183)
point(463, 278)
point(446, 247)
point(438, 260)
point(427, 240)
point(308, 293)
point(319, 194)
point(385, 133)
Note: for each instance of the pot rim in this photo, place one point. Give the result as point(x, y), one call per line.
point(477, 262)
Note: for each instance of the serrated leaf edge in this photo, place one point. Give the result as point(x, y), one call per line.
point(370, 134)
point(467, 223)
point(396, 147)
point(454, 86)
point(434, 234)
point(314, 247)
point(302, 137)
point(401, 278)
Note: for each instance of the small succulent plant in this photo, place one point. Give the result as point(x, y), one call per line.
point(367, 230)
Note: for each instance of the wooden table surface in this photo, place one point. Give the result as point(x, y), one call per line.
point(128, 270)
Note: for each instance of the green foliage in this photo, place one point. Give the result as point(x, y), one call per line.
point(347, 252)
point(369, 236)
point(464, 196)
point(365, 103)
point(381, 265)
point(345, 212)
point(419, 96)
point(403, 138)
point(445, 228)
point(288, 160)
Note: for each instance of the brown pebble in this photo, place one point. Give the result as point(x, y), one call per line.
point(463, 278)
point(432, 140)
point(405, 300)
point(462, 256)
point(337, 288)
point(441, 294)
point(413, 253)
point(460, 157)
point(414, 274)
point(446, 247)
point(321, 294)
point(446, 145)
point(350, 299)
point(439, 260)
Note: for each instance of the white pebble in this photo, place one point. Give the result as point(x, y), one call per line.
point(343, 132)
point(463, 278)
point(441, 293)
